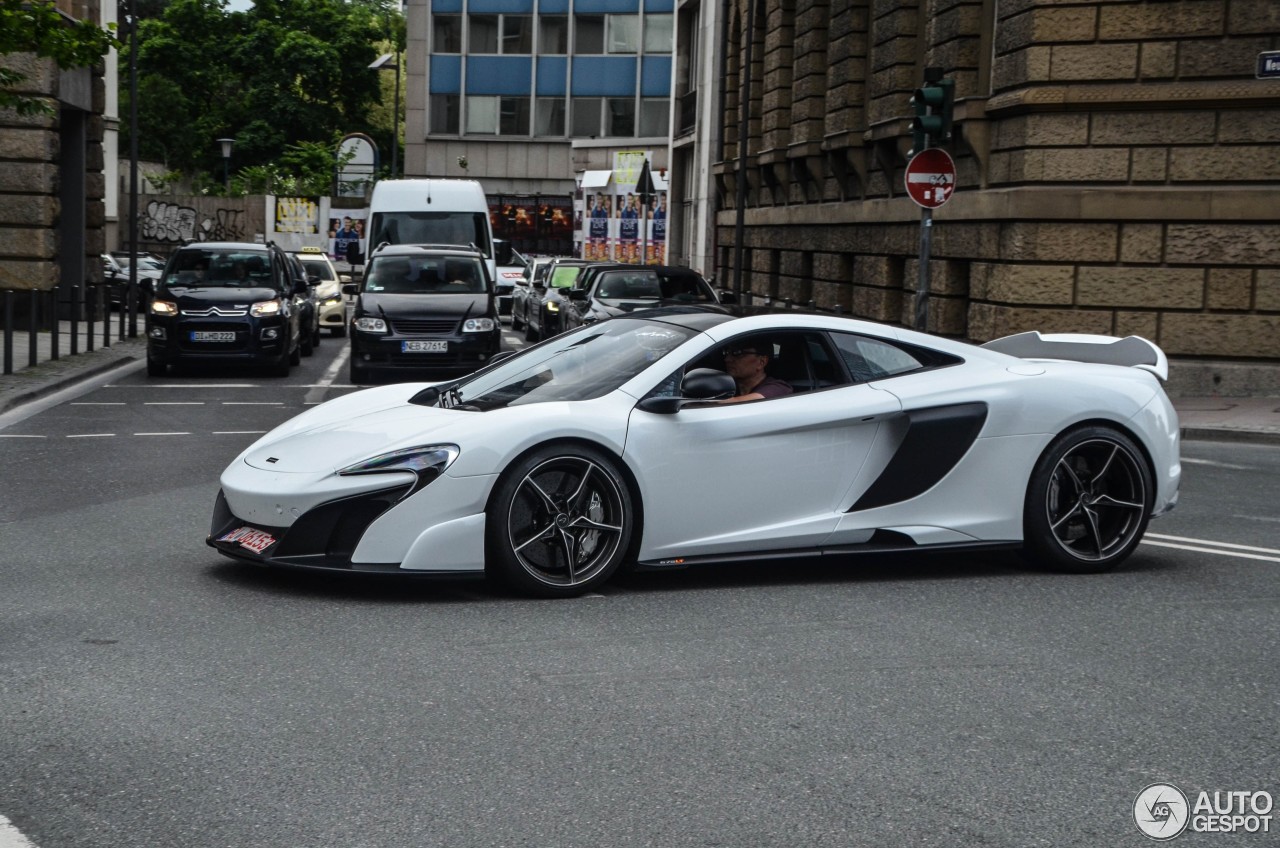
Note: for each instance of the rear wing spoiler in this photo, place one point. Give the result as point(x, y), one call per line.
point(1131, 351)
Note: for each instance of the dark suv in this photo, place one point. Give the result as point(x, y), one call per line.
point(226, 302)
point(423, 310)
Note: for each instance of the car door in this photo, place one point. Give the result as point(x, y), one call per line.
point(772, 474)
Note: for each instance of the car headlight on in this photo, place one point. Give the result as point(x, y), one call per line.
point(335, 298)
point(163, 307)
point(478, 325)
point(552, 306)
point(371, 325)
point(427, 463)
point(264, 308)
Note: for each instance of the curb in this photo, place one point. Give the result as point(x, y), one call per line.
point(1233, 436)
point(56, 385)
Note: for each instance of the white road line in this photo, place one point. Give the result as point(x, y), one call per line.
point(19, 436)
point(238, 432)
point(1214, 544)
point(253, 403)
point(318, 391)
point(11, 837)
point(98, 403)
point(1211, 551)
point(184, 386)
point(1216, 464)
point(162, 434)
point(173, 403)
point(90, 435)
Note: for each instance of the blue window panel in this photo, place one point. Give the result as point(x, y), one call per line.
point(446, 5)
point(446, 74)
point(499, 75)
point(604, 7)
point(659, 5)
point(655, 76)
point(553, 7)
point(552, 77)
point(496, 7)
point(605, 76)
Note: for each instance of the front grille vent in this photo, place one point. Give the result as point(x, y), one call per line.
point(423, 326)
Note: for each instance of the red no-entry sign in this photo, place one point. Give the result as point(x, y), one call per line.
point(931, 177)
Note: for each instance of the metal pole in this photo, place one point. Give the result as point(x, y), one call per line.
point(8, 332)
point(744, 126)
point(395, 124)
point(922, 277)
point(33, 327)
point(55, 325)
point(75, 320)
point(130, 302)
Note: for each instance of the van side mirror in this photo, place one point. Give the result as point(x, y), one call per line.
point(354, 256)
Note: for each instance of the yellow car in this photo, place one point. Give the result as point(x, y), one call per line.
point(333, 307)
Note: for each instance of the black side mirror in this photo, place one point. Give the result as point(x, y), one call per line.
point(578, 295)
point(728, 298)
point(700, 384)
point(351, 289)
point(353, 255)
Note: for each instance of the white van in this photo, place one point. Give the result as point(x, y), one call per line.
point(430, 211)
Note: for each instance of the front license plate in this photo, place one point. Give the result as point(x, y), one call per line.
point(209, 336)
point(424, 347)
point(249, 537)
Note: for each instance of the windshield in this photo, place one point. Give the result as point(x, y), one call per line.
point(426, 275)
point(247, 268)
point(461, 228)
point(320, 268)
point(583, 364)
point(564, 276)
point(632, 285)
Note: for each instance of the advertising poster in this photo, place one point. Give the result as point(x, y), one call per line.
point(597, 245)
point(656, 250)
point(300, 215)
point(625, 243)
point(344, 229)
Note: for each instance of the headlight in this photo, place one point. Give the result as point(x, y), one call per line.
point(265, 308)
point(427, 463)
point(552, 306)
point(163, 307)
point(371, 325)
point(478, 325)
point(337, 298)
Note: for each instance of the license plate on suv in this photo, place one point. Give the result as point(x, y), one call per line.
point(212, 336)
point(424, 347)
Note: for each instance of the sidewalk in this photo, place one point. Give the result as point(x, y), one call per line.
point(1203, 417)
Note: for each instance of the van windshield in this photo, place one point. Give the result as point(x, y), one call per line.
point(460, 228)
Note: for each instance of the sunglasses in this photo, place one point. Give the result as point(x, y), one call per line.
point(742, 351)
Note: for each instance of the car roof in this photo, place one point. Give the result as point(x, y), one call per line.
point(427, 250)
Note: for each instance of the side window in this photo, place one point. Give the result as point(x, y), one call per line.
point(874, 359)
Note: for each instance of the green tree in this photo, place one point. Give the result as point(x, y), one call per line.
point(36, 27)
point(284, 74)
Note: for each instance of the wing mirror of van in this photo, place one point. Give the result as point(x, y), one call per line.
point(354, 256)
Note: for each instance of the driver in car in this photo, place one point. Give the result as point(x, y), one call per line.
point(746, 363)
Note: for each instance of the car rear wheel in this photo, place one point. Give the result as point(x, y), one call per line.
point(1088, 502)
point(560, 522)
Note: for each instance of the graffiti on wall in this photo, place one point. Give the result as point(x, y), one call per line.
point(172, 223)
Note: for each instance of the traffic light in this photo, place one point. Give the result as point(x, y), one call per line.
point(932, 105)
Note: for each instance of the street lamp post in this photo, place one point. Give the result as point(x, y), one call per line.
point(381, 64)
point(226, 162)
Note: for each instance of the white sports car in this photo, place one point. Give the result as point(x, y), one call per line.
point(606, 446)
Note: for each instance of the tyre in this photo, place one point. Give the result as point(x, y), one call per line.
point(1088, 501)
point(516, 323)
point(156, 368)
point(560, 522)
point(295, 355)
point(281, 366)
point(305, 346)
point(359, 375)
point(315, 335)
point(530, 334)
point(339, 331)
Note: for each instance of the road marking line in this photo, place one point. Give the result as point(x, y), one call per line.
point(318, 391)
point(1216, 464)
point(173, 403)
point(185, 386)
point(238, 432)
point(98, 403)
point(19, 436)
point(252, 403)
point(11, 837)
point(1215, 544)
point(162, 434)
point(90, 435)
point(1211, 551)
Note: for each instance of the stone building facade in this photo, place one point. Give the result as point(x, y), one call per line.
point(52, 185)
point(1118, 165)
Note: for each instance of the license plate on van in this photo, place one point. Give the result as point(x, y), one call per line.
point(424, 347)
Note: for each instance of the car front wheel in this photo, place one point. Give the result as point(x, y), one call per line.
point(1088, 501)
point(560, 522)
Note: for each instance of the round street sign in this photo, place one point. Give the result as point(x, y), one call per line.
point(931, 177)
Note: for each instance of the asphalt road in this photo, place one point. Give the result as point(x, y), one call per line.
point(153, 693)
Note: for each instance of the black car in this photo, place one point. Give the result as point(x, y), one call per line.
point(544, 307)
point(308, 306)
point(604, 291)
point(423, 310)
point(226, 302)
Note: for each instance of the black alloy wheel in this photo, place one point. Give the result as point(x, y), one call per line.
point(1088, 501)
point(560, 522)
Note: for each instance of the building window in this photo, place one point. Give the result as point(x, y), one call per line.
point(482, 115)
point(513, 116)
point(549, 117)
point(517, 34)
point(657, 33)
point(621, 117)
point(483, 34)
point(446, 33)
point(588, 35)
point(553, 35)
point(445, 111)
point(624, 33)
point(655, 117)
point(586, 116)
